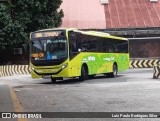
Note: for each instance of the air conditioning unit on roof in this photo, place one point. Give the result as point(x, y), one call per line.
point(153, 0)
point(104, 2)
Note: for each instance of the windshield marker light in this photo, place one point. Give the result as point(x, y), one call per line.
point(64, 66)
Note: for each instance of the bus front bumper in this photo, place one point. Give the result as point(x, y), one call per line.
point(50, 72)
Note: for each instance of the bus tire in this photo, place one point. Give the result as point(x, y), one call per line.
point(114, 73)
point(84, 74)
point(53, 80)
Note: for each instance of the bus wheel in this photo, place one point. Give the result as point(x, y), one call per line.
point(84, 74)
point(53, 80)
point(114, 73)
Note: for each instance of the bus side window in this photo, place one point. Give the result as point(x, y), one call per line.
point(103, 46)
point(111, 48)
point(73, 44)
point(124, 47)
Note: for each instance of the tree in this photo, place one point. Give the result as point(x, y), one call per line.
point(20, 17)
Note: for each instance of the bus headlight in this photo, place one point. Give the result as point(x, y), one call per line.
point(64, 66)
point(32, 68)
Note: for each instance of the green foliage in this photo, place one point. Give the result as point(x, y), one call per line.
point(20, 17)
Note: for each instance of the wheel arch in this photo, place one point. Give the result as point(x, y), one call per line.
point(85, 66)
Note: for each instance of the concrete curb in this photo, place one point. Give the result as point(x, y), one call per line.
point(9, 102)
point(156, 72)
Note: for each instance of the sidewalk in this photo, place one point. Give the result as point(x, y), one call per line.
point(6, 102)
point(9, 102)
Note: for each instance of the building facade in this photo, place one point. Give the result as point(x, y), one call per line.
point(138, 20)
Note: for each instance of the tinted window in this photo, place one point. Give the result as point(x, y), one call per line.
point(95, 44)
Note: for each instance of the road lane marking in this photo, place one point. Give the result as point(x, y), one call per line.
point(16, 103)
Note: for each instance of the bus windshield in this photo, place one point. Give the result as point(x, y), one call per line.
point(49, 48)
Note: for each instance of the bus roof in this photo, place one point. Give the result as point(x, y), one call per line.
point(67, 29)
point(91, 33)
point(100, 34)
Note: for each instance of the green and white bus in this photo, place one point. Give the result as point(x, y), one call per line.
point(70, 53)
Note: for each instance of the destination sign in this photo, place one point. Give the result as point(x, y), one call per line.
point(46, 34)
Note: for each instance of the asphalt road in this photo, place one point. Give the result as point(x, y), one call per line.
point(132, 91)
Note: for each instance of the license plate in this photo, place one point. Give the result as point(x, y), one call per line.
point(46, 76)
